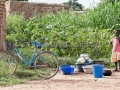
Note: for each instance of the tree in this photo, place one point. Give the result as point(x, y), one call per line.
point(74, 5)
point(17, 0)
point(112, 1)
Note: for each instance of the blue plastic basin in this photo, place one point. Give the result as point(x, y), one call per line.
point(67, 69)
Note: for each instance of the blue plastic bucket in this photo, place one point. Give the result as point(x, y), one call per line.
point(97, 70)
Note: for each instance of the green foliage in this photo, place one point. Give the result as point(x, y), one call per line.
point(9, 38)
point(15, 25)
point(63, 34)
point(70, 34)
point(10, 81)
point(111, 1)
point(67, 60)
point(105, 15)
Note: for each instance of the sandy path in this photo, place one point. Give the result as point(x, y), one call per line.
point(77, 81)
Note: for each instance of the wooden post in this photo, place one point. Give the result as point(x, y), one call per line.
point(2, 23)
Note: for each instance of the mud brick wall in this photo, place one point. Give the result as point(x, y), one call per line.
point(28, 9)
point(2, 23)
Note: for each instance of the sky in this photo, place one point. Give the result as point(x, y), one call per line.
point(85, 3)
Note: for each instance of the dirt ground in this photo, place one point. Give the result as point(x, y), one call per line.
point(77, 81)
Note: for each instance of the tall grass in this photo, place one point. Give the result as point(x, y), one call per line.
point(64, 35)
point(105, 15)
point(15, 26)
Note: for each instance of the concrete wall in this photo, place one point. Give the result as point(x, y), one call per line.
point(2, 23)
point(28, 9)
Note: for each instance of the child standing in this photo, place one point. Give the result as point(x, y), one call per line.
point(115, 43)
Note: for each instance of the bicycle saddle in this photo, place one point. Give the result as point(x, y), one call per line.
point(37, 45)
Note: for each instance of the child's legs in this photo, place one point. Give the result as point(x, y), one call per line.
point(116, 66)
point(119, 64)
point(118, 58)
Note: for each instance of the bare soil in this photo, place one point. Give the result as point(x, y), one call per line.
point(77, 81)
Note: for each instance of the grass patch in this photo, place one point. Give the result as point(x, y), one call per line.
point(10, 81)
point(27, 74)
point(67, 60)
point(19, 77)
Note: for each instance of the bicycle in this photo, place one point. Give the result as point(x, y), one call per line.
point(45, 63)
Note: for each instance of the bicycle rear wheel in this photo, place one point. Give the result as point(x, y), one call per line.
point(46, 65)
point(8, 64)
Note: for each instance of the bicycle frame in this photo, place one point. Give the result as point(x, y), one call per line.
point(25, 59)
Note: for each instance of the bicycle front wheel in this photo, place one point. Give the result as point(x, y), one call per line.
point(8, 64)
point(46, 65)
